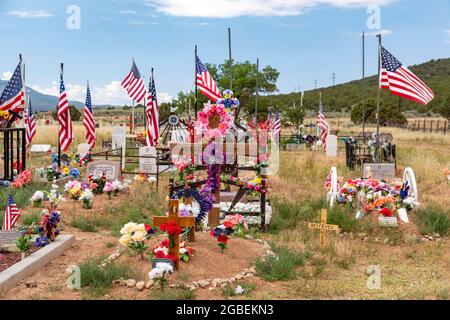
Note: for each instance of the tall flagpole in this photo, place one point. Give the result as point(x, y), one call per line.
point(132, 115)
point(57, 110)
point(257, 92)
point(378, 100)
point(363, 85)
point(195, 81)
point(230, 61)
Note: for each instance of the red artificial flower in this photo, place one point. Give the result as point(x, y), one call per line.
point(165, 243)
point(148, 228)
point(386, 212)
point(171, 228)
point(223, 239)
point(228, 224)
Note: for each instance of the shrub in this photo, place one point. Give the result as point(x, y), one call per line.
point(433, 220)
point(173, 294)
point(342, 217)
point(85, 224)
point(28, 219)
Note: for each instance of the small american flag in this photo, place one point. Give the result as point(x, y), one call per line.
point(13, 97)
point(400, 81)
point(134, 84)
point(30, 124)
point(205, 82)
point(276, 124)
point(65, 122)
point(12, 214)
point(322, 124)
point(152, 115)
point(88, 120)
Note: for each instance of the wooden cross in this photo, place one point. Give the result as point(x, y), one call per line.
point(323, 226)
point(185, 222)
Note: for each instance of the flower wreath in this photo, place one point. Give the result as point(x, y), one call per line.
point(205, 204)
point(210, 110)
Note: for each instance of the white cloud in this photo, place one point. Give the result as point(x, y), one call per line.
point(30, 14)
point(236, 8)
point(140, 23)
point(383, 32)
point(6, 75)
point(110, 94)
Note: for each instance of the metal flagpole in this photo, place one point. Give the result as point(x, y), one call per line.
point(195, 81)
point(378, 100)
point(257, 92)
point(59, 136)
point(230, 62)
point(363, 85)
point(132, 119)
point(145, 111)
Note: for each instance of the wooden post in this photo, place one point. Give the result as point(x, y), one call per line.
point(323, 226)
point(431, 126)
point(437, 127)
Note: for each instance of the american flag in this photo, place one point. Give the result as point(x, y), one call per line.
point(205, 82)
point(12, 214)
point(88, 120)
point(400, 81)
point(30, 124)
point(65, 122)
point(134, 84)
point(13, 97)
point(276, 124)
point(322, 124)
point(152, 115)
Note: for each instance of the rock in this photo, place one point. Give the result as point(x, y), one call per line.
point(238, 277)
point(233, 279)
point(248, 275)
point(216, 282)
point(31, 284)
point(140, 285)
point(204, 283)
point(116, 281)
point(149, 284)
point(192, 288)
point(224, 285)
point(362, 235)
point(131, 283)
point(211, 288)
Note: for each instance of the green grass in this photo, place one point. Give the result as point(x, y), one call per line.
point(172, 294)
point(28, 219)
point(344, 218)
point(281, 266)
point(86, 224)
point(433, 220)
point(98, 280)
point(229, 291)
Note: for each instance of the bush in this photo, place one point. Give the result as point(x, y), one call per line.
point(28, 219)
point(98, 279)
point(344, 218)
point(282, 265)
point(173, 294)
point(85, 224)
point(433, 220)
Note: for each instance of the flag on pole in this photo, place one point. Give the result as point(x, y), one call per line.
point(65, 122)
point(12, 214)
point(276, 124)
point(30, 124)
point(13, 97)
point(134, 84)
point(322, 124)
point(205, 82)
point(152, 115)
point(400, 81)
point(88, 119)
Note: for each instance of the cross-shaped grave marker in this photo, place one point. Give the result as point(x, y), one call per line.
point(184, 222)
point(323, 226)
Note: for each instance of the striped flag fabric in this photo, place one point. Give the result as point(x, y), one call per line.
point(400, 81)
point(322, 124)
point(152, 115)
point(276, 124)
point(134, 84)
point(30, 124)
point(13, 97)
point(88, 119)
point(65, 122)
point(12, 215)
point(205, 81)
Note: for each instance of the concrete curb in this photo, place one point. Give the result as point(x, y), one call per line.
point(11, 276)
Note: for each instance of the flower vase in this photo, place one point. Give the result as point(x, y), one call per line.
point(23, 256)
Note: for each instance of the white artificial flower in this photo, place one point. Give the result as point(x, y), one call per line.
point(183, 250)
point(128, 228)
point(156, 273)
point(239, 290)
point(86, 195)
point(38, 196)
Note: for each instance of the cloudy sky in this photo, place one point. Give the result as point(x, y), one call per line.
point(305, 40)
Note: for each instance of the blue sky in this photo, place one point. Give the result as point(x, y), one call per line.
point(304, 39)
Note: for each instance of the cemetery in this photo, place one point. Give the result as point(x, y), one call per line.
point(220, 194)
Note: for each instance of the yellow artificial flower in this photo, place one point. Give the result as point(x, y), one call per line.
point(125, 240)
point(129, 228)
point(139, 236)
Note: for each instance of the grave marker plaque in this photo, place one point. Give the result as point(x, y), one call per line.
point(9, 237)
point(36, 148)
point(332, 146)
point(83, 148)
point(110, 168)
point(379, 171)
point(147, 165)
point(388, 222)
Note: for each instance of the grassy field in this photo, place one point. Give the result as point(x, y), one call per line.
point(410, 267)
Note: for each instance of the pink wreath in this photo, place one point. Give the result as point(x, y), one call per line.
point(202, 122)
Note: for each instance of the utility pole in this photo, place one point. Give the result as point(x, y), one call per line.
point(315, 84)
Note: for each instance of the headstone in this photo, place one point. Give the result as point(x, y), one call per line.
point(147, 165)
point(119, 141)
point(333, 192)
point(323, 226)
point(379, 171)
point(110, 168)
point(403, 215)
point(332, 146)
point(8, 237)
point(83, 148)
point(388, 221)
point(293, 147)
point(410, 177)
point(36, 148)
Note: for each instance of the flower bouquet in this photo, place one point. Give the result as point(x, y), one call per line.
point(223, 232)
point(48, 231)
point(37, 198)
point(23, 179)
point(172, 229)
point(87, 198)
point(75, 189)
point(161, 251)
point(135, 236)
point(160, 272)
point(97, 183)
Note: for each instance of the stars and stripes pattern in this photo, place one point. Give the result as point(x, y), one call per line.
point(205, 81)
point(276, 124)
point(322, 125)
point(152, 115)
point(30, 124)
point(88, 119)
point(400, 81)
point(13, 97)
point(134, 84)
point(12, 214)
point(65, 122)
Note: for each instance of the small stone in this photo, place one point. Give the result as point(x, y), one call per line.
point(116, 281)
point(253, 270)
point(233, 279)
point(140, 285)
point(211, 288)
point(238, 277)
point(192, 288)
point(131, 283)
point(149, 284)
point(204, 283)
point(216, 282)
point(224, 285)
point(31, 284)
point(248, 275)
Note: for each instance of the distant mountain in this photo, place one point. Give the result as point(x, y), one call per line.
point(42, 102)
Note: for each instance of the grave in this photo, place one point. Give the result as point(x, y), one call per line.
point(8, 237)
point(40, 148)
point(323, 226)
point(110, 168)
point(332, 146)
point(147, 165)
point(379, 171)
point(83, 149)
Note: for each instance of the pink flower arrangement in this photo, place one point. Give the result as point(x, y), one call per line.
point(210, 110)
point(23, 179)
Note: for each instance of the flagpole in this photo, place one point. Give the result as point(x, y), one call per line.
point(378, 100)
point(145, 110)
point(230, 62)
point(363, 103)
point(195, 81)
point(257, 92)
point(59, 137)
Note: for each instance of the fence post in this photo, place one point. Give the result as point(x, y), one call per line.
point(437, 128)
point(424, 125)
point(431, 126)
